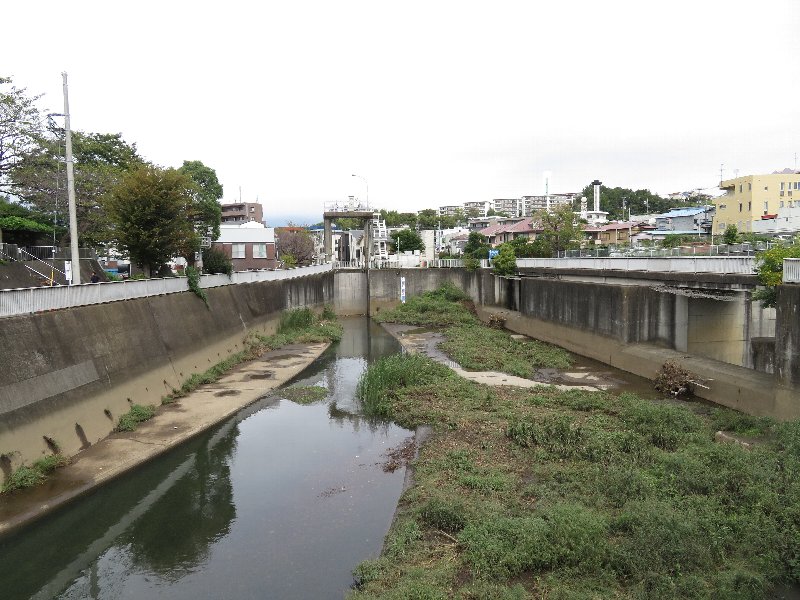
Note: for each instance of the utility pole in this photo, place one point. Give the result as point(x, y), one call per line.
point(73, 218)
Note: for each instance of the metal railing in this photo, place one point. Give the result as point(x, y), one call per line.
point(791, 270)
point(743, 265)
point(39, 299)
point(745, 249)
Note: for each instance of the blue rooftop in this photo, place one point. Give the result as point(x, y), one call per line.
point(685, 212)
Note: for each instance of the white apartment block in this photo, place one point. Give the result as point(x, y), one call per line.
point(530, 204)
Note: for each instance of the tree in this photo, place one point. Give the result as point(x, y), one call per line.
point(769, 269)
point(638, 201)
point(731, 235)
point(152, 214)
point(406, 240)
point(209, 211)
point(538, 248)
point(476, 246)
point(216, 261)
point(297, 244)
point(560, 228)
point(39, 178)
point(20, 127)
point(505, 263)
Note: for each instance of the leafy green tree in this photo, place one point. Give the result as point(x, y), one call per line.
point(560, 228)
point(505, 263)
point(638, 201)
point(152, 214)
point(537, 248)
point(406, 240)
point(100, 159)
point(731, 235)
point(21, 230)
point(20, 128)
point(769, 269)
point(209, 211)
point(216, 261)
point(476, 246)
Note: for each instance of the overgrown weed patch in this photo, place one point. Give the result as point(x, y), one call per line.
point(549, 494)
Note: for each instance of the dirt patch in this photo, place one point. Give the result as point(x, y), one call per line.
point(399, 456)
point(264, 375)
point(227, 393)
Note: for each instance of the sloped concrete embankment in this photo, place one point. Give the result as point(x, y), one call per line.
point(66, 376)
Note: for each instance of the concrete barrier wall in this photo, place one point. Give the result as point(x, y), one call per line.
point(625, 313)
point(70, 374)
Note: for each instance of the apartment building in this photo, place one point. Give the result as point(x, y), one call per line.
point(242, 212)
point(753, 198)
point(450, 211)
point(477, 209)
point(530, 204)
point(511, 207)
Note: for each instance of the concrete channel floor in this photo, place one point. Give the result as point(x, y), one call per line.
point(173, 424)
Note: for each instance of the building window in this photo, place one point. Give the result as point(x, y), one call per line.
point(237, 251)
point(740, 207)
point(259, 251)
point(721, 225)
point(749, 207)
point(749, 186)
point(781, 203)
point(740, 188)
point(723, 206)
point(766, 206)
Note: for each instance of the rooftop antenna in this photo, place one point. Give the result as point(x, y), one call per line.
point(735, 173)
point(721, 166)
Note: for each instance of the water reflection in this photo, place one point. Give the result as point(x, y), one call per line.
point(281, 501)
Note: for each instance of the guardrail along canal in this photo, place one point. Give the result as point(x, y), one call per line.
point(282, 501)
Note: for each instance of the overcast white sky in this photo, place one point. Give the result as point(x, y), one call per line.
point(432, 102)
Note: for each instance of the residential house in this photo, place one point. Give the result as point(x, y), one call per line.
point(249, 245)
point(747, 199)
point(693, 220)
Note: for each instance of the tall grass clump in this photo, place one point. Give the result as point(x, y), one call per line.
point(25, 477)
point(299, 318)
point(137, 414)
point(385, 377)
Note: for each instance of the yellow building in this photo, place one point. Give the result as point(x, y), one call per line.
point(749, 198)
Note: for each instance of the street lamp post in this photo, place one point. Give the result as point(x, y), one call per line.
point(366, 183)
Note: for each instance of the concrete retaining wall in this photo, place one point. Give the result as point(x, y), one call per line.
point(69, 374)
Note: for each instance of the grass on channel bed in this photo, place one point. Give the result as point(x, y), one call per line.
point(541, 493)
point(25, 477)
point(304, 394)
point(298, 326)
point(469, 342)
point(480, 348)
point(137, 414)
point(446, 306)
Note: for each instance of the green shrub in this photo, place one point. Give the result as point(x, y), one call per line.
point(23, 477)
point(137, 414)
